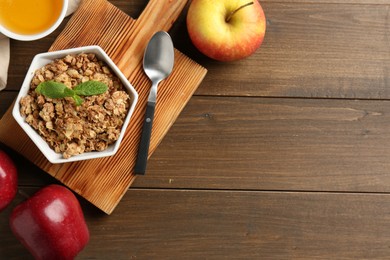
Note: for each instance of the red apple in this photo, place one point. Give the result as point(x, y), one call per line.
point(51, 224)
point(8, 180)
point(226, 30)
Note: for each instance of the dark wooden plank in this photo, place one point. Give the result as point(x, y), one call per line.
point(275, 144)
point(186, 224)
point(6, 100)
point(268, 144)
point(310, 50)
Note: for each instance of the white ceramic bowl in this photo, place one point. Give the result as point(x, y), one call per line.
point(32, 37)
point(41, 60)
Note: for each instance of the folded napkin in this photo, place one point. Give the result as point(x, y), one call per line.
point(4, 47)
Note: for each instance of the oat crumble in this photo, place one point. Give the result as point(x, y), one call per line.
point(71, 129)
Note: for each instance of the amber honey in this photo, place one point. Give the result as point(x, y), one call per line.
point(29, 16)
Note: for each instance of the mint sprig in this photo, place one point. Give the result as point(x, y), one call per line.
point(52, 89)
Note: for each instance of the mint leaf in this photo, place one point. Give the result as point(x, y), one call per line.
point(52, 89)
point(90, 88)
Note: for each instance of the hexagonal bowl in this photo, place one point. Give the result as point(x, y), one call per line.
point(41, 60)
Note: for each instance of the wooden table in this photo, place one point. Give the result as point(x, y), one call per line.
point(284, 155)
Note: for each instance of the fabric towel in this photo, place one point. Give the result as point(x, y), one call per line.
point(5, 49)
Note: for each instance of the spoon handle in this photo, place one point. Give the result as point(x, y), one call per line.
point(140, 165)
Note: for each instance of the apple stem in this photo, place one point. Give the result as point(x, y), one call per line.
point(229, 17)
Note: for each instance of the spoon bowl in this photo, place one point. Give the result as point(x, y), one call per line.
point(158, 57)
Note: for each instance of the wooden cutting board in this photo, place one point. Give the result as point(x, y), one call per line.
point(104, 181)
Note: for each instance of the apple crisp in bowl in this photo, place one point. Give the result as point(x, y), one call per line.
point(76, 105)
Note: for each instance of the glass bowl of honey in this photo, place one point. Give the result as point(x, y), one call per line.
point(27, 20)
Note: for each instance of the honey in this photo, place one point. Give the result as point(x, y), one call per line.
point(29, 17)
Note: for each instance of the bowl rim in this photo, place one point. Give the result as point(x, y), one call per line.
point(32, 37)
point(41, 144)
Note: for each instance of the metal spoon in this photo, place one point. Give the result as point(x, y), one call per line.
point(158, 64)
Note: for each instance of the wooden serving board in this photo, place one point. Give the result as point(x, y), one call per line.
point(104, 181)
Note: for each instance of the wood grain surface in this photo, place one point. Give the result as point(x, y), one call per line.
point(284, 155)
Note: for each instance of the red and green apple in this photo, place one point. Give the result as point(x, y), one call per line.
point(226, 30)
